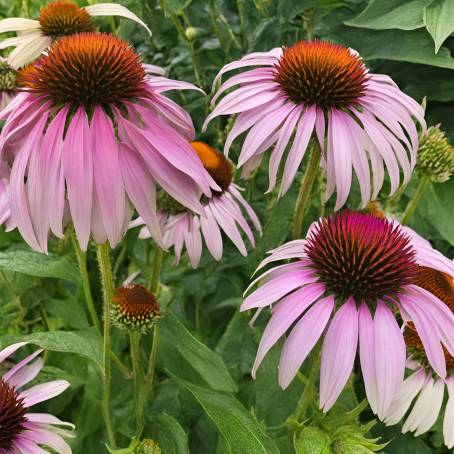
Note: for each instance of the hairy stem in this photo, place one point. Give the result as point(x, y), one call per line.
point(108, 290)
point(134, 340)
point(305, 189)
point(414, 201)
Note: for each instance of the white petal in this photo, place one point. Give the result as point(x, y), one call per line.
point(448, 422)
point(112, 9)
point(14, 24)
point(30, 49)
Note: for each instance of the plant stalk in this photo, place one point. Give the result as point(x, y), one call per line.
point(134, 340)
point(108, 291)
point(305, 189)
point(414, 201)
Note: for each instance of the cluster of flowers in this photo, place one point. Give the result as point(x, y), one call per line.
point(90, 136)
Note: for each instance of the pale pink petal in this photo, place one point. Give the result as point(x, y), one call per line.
point(338, 353)
point(43, 392)
point(212, 234)
point(10, 350)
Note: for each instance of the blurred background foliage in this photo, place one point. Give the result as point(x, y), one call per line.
point(204, 400)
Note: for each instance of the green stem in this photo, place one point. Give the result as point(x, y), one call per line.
point(13, 293)
point(108, 291)
point(81, 258)
point(240, 4)
point(305, 189)
point(154, 281)
point(413, 203)
point(134, 339)
point(305, 400)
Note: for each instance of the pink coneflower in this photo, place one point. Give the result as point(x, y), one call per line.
point(352, 272)
point(5, 201)
point(423, 386)
point(22, 432)
point(91, 128)
point(322, 90)
point(224, 213)
point(56, 19)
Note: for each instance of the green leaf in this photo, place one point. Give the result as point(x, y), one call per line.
point(312, 440)
point(182, 354)
point(169, 434)
point(387, 14)
point(39, 265)
point(86, 343)
point(240, 430)
point(439, 20)
point(173, 7)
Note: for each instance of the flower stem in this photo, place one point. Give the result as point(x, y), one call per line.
point(303, 403)
point(134, 340)
point(108, 289)
point(81, 258)
point(414, 201)
point(305, 189)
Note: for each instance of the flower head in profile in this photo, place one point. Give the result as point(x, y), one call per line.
point(93, 131)
point(423, 387)
point(320, 91)
point(56, 19)
point(22, 431)
point(134, 308)
point(350, 277)
point(435, 156)
point(224, 212)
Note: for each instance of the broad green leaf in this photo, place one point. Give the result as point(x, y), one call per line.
point(39, 265)
point(168, 433)
point(414, 46)
point(182, 354)
point(86, 343)
point(387, 14)
point(240, 430)
point(312, 440)
point(439, 20)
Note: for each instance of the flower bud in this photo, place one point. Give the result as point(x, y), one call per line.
point(7, 77)
point(134, 308)
point(148, 446)
point(435, 156)
point(191, 33)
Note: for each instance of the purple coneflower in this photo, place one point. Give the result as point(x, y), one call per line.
point(56, 19)
point(5, 201)
point(22, 432)
point(423, 386)
point(360, 120)
point(352, 272)
point(91, 128)
point(223, 213)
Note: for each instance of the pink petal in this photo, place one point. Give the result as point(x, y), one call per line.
point(43, 392)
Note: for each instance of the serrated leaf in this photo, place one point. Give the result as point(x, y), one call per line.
point(86, 343)
point(387, 14)
point(439, 20)
point(184, 355)
point(240, 430)
point(39, 265)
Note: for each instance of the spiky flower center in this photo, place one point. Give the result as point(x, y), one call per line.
point(442, 286)
point(435, 155)
point(135, 307)
point(215, 163)
point(87, 69)
point(321, 73)
point(12, 415)
point(7, 77)
point(357, 254)
point(62, 18)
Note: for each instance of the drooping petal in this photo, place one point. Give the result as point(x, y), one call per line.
point(303, 338)
point(15, 24)
point(338, 353)
point(31, 47)
point(448, 426)
point(43, 392)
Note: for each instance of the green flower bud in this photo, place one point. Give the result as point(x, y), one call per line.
point(168, 204)
point(148, 446)
point(7, 77)
point(191, 33)
point(435, 156)
point(312, 440)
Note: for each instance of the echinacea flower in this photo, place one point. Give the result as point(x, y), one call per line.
point(351, 275)
point(7, 83)
point(423, 386)
point(223, 213)
point(56, 19)
point(321, 91)
point(134, 308)
point(5, 202)
point(92, 130)
point(21, 431)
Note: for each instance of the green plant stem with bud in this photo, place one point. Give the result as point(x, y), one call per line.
point(108, 291)
point(424, 183)
point(134, 341)
point(305, 189)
